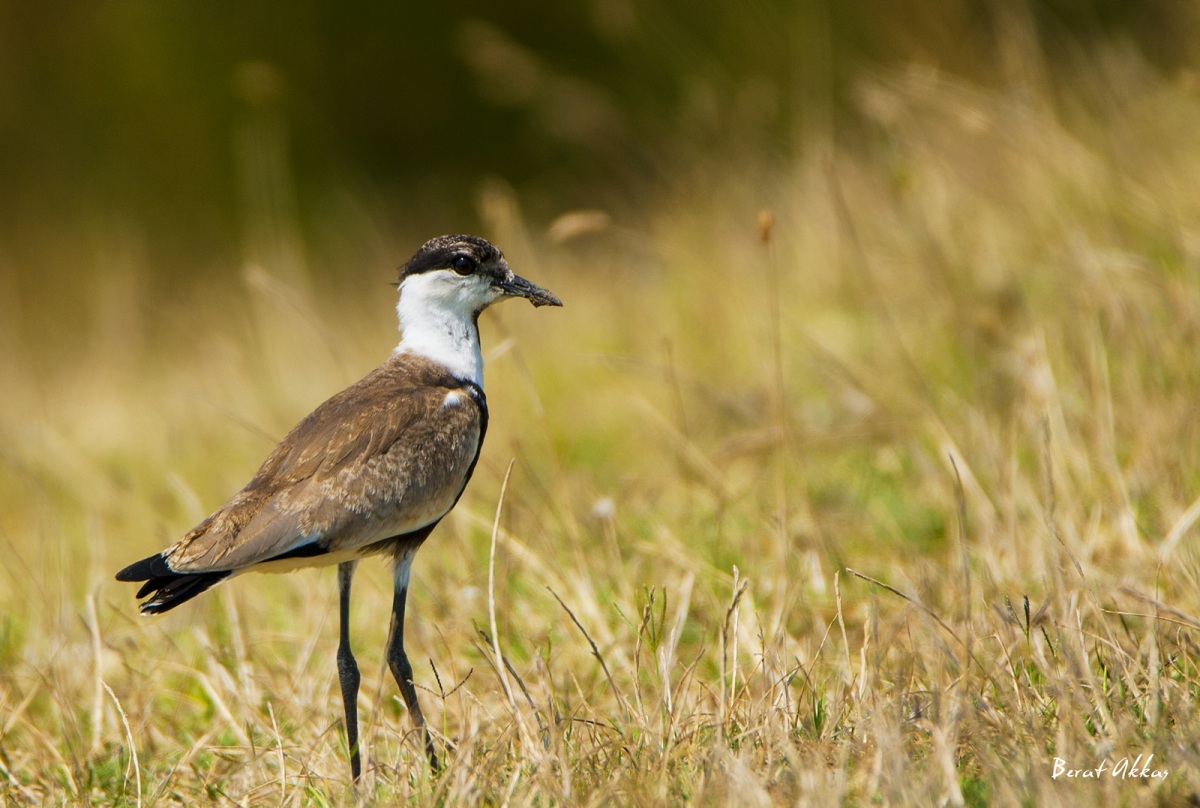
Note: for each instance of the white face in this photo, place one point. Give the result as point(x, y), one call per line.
point(446, 285)
point(448, 293)
point(437, 312)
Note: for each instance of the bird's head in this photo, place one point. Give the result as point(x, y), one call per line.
point(462, 276)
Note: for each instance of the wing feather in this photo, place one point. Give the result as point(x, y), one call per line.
point(384, 457)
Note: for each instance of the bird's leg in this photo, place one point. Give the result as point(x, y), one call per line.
point(398, 660)
point(348, 674)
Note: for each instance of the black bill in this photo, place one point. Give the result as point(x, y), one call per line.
point(516, 286)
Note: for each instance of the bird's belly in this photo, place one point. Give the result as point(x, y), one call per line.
point(302, 562)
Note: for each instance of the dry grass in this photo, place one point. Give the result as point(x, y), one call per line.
point(962, 364)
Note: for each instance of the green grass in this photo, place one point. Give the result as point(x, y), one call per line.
point(887, 508)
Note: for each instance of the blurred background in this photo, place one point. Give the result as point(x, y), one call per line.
point(185, 126)
point(902, 286)
point(782, 230)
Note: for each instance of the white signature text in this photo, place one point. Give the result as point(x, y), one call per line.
point(1123, 769)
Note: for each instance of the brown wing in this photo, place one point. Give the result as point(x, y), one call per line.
point(384, 457)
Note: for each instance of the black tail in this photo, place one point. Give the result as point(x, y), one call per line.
point(167, 589)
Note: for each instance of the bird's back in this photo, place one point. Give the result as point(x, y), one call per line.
point(385, 457)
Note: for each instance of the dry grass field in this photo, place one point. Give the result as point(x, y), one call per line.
point(867, 477)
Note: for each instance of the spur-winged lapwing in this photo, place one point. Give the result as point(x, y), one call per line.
point(370, 471)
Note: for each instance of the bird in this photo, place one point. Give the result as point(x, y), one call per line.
point(371, 471)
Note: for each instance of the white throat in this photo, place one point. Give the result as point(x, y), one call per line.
point(439, 327)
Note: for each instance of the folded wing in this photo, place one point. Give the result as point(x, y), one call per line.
point(383, 458)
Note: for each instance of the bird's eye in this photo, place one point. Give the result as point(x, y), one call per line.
point(463, 264)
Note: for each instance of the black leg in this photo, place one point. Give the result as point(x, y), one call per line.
point(398, 660)
point(347, 667)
